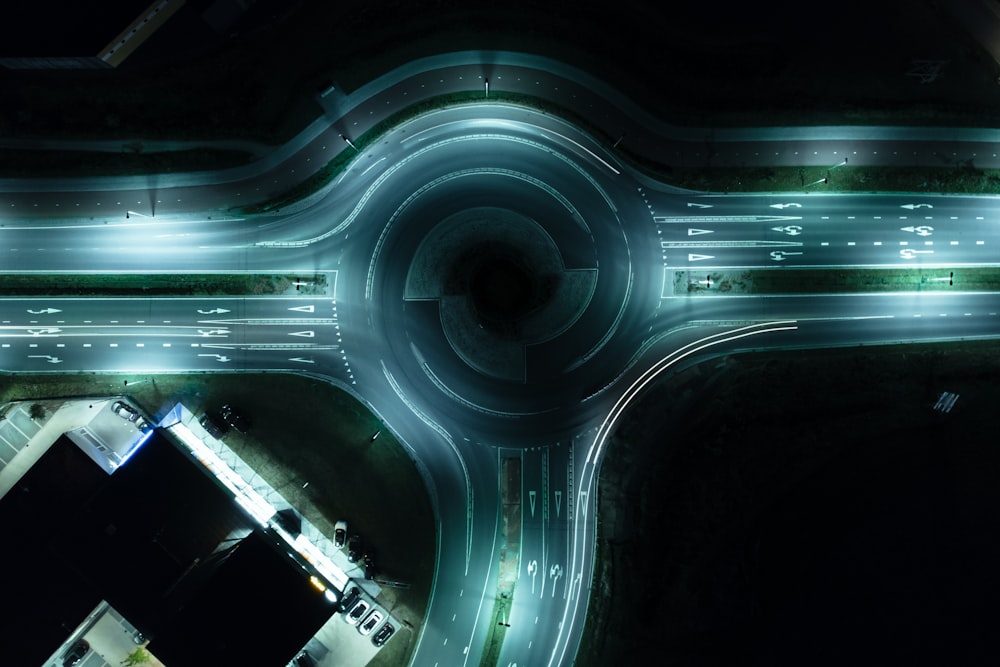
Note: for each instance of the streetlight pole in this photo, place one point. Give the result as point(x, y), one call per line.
point(503, 612)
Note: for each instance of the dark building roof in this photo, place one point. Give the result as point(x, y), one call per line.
point(165, 544)
point(63, 28)
point(44, 598)
point(254, 610)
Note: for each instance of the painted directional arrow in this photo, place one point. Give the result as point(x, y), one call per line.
point(558, 502)
point(696, 232)
point(779, 255)
point(45, 311)
point(304, 309)
point(692, 204)
point(920, 230)
point(697, 258)
point(913, 206)
point(48, 357)
point(214, 311)
point(213, 332)
point(790, 205)
point(302, 361)
point(791, 230)
point(218, 357)
point(531, 500)
point(43, 332)
point(305, 334)
point(910, 253)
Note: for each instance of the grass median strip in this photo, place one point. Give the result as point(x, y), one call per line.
point(162, 284)
point(758, 282)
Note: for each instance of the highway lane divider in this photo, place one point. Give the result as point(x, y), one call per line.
point(304, 284)
point(681, 283)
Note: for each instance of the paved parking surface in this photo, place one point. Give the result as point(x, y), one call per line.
point(16, 429)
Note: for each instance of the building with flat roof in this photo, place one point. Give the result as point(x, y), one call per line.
point(161, 542)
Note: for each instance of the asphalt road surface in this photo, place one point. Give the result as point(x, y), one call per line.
point(391, 352)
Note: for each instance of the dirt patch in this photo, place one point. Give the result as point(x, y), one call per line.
point(802, 508)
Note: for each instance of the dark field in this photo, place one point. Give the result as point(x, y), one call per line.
point(805, 508)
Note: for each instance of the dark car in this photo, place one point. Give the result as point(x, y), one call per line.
point(354, 548)
point(213, 427)
point(303, 659)
point(382, 636)
point(349, 599)
point(339, 533)
point(76, 653)
point(358, 611)
point(371, 622)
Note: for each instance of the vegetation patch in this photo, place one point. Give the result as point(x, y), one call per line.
point(161, 284)
point(24, 163)
point(836, 280)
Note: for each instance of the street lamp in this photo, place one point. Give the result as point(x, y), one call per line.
point(349, 142)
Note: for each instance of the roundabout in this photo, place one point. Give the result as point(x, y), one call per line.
point(501, 271)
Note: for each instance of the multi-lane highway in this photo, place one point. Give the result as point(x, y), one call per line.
point(368, 336)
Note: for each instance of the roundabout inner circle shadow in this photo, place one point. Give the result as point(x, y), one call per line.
point(501, 285)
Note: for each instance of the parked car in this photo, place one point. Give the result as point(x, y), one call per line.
point(383, 634)
point(339, 534)
point(76, 653)
point(357, 612)
point(212, 426)
point(303, 659)
point(348, 600)
point(354, 548)
point(371, 622)
point(125, 411)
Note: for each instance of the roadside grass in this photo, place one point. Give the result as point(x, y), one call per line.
point(26, 163)
point(159, 284)
point(311, 442)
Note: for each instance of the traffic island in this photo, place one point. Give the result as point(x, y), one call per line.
point(320, 283)
point(510, 558)
point(834, 280)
